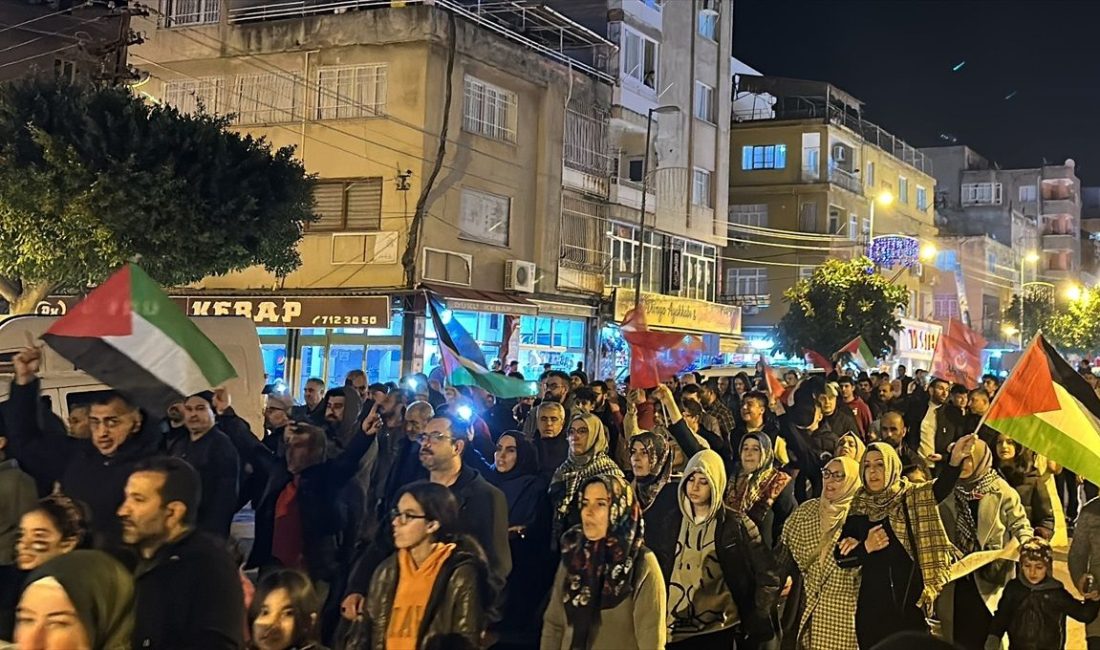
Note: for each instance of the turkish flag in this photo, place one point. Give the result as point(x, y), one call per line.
point(655, 356)
point(958, 355)
point(817, 360)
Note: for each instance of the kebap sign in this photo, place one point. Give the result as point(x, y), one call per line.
point(272, 311)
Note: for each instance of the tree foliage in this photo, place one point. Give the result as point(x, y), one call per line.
point(92, 177)
point(843, 299)
point(1075, 326)
point(1037, 315)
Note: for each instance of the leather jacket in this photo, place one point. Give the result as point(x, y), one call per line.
point(457, 605)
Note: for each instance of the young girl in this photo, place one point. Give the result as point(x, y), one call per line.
point(284, 612)
point(1034, 607)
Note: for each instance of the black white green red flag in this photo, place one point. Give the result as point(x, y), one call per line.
point(1049, 408)
point(128, 334)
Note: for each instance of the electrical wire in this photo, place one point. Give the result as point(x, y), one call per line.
point(44, 16)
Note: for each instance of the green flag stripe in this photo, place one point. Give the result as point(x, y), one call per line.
point(154, 306)
point(1034, 433)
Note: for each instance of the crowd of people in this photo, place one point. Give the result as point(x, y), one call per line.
point(702, 513)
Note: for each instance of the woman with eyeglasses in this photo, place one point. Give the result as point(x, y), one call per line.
point(826, 597)
point(587, 458)
point(608, 592)
point(285, 613)
point(436, 584)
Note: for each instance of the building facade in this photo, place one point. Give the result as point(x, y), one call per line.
point(811, 179)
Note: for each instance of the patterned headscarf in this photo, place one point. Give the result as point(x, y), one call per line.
point(749, 487)
point(833, 513)
point(660, 460)
point(578, 468)
point(934, 553)
point(982, 482)
point(600, 573)
point(859, 445)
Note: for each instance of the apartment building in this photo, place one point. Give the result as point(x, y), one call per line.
point(64, 37)
point(370, 94)
point(811, 179)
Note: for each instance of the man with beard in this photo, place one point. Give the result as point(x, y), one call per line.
point(893, 431)
point(341, 415)
point(207, 449)
point(708, 397)
point(860, 411)
point(483, 514)
point(865, 389)
point(276, 417)
point(931, 428)
point(187, 590)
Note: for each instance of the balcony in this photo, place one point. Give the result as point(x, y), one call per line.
point(1061, 206)
point(762, 301)
point(1059, 242)
point(848, 180)
point(629, 193)
point(645, 12)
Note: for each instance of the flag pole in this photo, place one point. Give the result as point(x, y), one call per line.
point(997, 396)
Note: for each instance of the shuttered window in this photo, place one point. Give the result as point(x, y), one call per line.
point(348, 205)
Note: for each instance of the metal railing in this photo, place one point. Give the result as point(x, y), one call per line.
point(847, 180)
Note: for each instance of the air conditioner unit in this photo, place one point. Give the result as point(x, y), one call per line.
point(519, 276)
point(840, 154)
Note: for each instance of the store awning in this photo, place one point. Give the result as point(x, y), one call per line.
point(496, 302)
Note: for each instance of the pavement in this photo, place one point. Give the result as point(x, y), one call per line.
point(1075, 632)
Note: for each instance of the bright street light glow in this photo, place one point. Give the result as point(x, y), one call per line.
point(928, 252)
point(885, 197)
point(1074, 292)
point(1031, 257)
point(1010, 330)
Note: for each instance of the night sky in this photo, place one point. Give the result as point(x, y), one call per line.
point(898, 55)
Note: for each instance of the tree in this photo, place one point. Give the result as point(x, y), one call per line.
point(1075, 325)
point(1038, 311)
point(92, 177)
point(843, 299)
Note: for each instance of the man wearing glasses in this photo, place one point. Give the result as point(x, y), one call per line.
point(483, 513)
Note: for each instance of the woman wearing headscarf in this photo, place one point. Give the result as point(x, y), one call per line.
point(984, 513)
point(82, 599)
point(723, 583)
point(587, 458)
point(851, 446)
point(651, 467)
point(828, 594)
point(894, 532)
point(516, 474)
point(1019, 467)
point(608, 591)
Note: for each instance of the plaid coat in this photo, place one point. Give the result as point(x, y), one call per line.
point(829, 618)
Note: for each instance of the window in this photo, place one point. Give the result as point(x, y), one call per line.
point(746, 281)
point(489, 110)
point(697, 267)
point(853, 226)
point(945, 306)
point(981, 194)
point(189, 12)
point(64, 68)
point(189, 95)
point(903, 190)
point(700, 188)
point(635, 169)
point(639, 58)
point(704, 102)
point(708, 24)
point(811, 156)
point(351, 91)
point(348, 205)
point(870, 176)
point(922, 198)
point(586, 146)
point(745, 219)
point(621, 250)
point(1028, 194)
point(583, 223)
point(832, 226)
point(768, 156)
point(484, 217)
point(265, 98)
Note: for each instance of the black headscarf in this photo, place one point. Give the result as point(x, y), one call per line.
point(102, 592)
point(521, 485)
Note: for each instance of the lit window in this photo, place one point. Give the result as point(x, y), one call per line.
point(769, 156)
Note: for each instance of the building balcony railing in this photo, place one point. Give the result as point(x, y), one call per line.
point(847, 180)
point(1060, 206)
point(1059, 242)
point(741, 300)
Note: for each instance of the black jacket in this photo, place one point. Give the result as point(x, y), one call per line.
point(949, 427)
point(48, 454)
point(216, 460)
point(188, 597)
point(457, 605)
point(1033, 496)
point(483, 513)
point(1035, 616)
point(324, 513)
point(748, 565)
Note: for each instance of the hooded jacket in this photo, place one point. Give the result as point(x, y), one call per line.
point(102, 593)
point(748, 567)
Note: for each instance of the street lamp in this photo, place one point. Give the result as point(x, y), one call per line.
point(645, 189)
point(885, 197)
point(1030, 258)
point(928, 252)
point(1074, 292)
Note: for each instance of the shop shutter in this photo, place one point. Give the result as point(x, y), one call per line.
point(328, 205)
point(364, 204)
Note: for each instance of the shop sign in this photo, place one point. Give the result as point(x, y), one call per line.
point(270, 311)
point(681, 313)
point(917, 338)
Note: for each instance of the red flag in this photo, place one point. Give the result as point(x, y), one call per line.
point(817, 360)
point(774, 384)
point(958, 355)
point(656, 355)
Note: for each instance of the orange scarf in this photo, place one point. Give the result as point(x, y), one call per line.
point(410, 599)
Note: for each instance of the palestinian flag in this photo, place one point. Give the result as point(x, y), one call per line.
point(129, 335)
point(858, 353)
point(1049, 408)
point(463, 361)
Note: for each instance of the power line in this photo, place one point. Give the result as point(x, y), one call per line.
point(44, 16)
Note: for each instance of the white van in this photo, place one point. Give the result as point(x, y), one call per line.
point(64, 386)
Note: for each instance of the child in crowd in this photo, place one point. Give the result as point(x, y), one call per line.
point(1034, 607)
